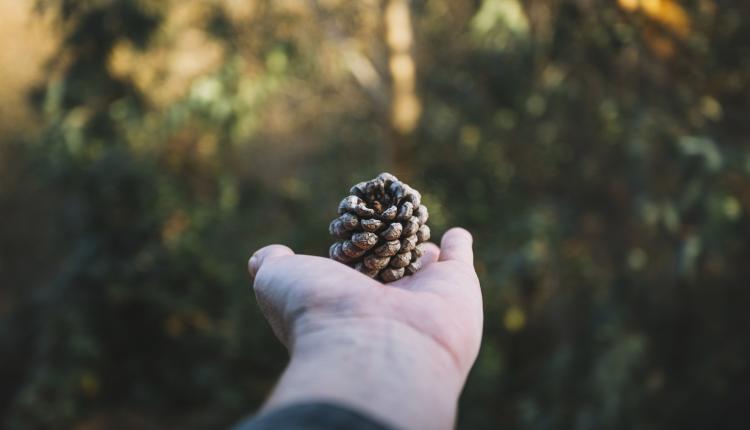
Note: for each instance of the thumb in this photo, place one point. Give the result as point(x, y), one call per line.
point(265, 254)
point(270, 297)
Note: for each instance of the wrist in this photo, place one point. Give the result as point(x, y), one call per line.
point(381, 367)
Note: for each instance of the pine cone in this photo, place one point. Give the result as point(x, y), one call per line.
point(382, 225)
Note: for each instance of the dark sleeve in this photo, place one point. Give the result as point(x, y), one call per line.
point(311, 416)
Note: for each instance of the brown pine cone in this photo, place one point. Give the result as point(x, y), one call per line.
point(382, 225)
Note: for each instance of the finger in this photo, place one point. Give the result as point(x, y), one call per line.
point(264, 254)
point(431, 254)
point(456, 246)
point(270, 299)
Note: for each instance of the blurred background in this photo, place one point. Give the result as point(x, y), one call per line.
point(597, 150)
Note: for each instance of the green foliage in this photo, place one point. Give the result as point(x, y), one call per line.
point(597, 153)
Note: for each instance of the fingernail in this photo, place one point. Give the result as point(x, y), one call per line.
point(253, 265)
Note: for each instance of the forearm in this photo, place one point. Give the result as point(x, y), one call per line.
point(383, 368)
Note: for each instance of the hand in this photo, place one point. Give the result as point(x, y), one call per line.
point(395, 351)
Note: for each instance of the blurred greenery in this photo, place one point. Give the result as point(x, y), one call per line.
point(598, 152)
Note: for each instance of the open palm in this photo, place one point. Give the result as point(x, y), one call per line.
point(301, 294)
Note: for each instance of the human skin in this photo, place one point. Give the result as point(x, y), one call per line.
point(398, 352)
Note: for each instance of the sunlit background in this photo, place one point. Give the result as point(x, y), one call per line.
point(597, 150)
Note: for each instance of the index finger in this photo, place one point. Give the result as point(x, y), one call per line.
point(456, 246)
